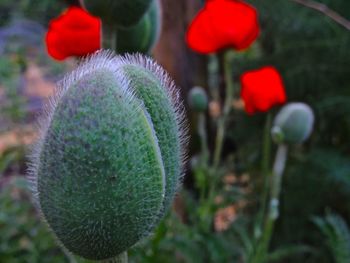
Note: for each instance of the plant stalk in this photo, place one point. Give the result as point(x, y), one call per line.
point(325, 10)
point(203, 136)
point(114, 39)
point(265, 171)
point(220, 135)
point(121, 258)
point(273, 206)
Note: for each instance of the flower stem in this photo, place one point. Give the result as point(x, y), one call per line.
point(220, 134)
point(121, 258)
point(203, 180)
point(203, 136)
point(273, 207)
point(68, 255)
point(265, 171)
point(110, 39)
point(213, 77)
point(114, 39)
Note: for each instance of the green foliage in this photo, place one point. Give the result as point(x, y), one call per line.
point(185, 242)
point(39, 10)
point(22, 237)
point(314, 179)
point(337, 234)
point(21, 45)
point(144, 35)
point(310, 51)
point(285, 252)
point(13, 104)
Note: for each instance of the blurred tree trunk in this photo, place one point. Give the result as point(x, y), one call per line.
point(186, 67)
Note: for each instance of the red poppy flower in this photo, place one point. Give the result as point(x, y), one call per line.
point(222, 24)
point(262, 89)
point(74, 33)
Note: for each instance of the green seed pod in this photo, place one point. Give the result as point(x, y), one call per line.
point(120, 13)
point(144, 35)
point(101, 172)
point(293, 124)
point(198, 99)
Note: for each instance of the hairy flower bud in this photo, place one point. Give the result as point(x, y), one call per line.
point(109, 159)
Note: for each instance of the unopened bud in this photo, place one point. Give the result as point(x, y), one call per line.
point(198, 99)
point(293, 124)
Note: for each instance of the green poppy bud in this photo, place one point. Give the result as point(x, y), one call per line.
point(102, 172)
point(120, 13)
point(293, 124)
point(198, 99)
point(144, 35)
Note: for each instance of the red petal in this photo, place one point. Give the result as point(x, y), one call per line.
point(262, 89)
point(74, 33)
point(200, 36)
point(221, 24)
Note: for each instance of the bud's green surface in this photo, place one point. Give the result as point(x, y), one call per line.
point(198, 99)
point(109, 160)
point(120, 13)
point(293, 124)
point(160, 104)
point(144, 35)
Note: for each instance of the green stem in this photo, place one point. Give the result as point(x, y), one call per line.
point(201, 177)
point(265, 171)
point(220, 134)
point(213, 77)
point(110, 41)
point(278, 169)
point(121, 258)
point(69, 256)
point(202, 131)
point(273, 208)
point(114, 39)
point(221, 126)
point(265, 164)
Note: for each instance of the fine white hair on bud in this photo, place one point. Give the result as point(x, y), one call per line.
point(110, 154)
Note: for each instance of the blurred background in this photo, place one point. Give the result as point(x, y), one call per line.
point(312, 54)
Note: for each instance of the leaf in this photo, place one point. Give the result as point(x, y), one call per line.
point(337, 234)
point(286, 251)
